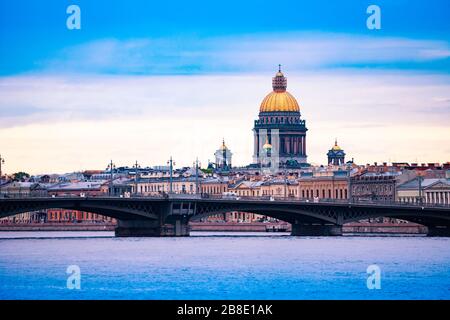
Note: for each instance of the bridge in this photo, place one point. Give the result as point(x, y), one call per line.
point(170, 215)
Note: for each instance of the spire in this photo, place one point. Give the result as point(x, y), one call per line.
point(223, 147)
point(279, 82)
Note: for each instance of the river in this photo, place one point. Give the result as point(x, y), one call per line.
point(33, 265)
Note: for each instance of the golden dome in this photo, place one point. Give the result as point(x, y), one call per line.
point(279, 102)
point(267, 146)
point(336, 147)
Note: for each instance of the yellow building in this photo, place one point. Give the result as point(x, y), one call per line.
point(323, 185)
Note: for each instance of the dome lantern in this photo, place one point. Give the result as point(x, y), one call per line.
point(279, 100)
point(279, 82)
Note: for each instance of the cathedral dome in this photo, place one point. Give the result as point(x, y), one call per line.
point(279, 100)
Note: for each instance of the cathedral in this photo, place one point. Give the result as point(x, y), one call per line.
point(279, 132)
point(223, 157)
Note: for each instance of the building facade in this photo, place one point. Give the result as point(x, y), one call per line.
point(373, 186)
point(428, 191)
point(323, 185)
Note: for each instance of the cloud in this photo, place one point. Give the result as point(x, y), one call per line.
point(378, 98)
point(252, 53)
point(62, 123)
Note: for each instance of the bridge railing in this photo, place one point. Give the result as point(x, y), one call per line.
point(325, 200)
point(205, 196)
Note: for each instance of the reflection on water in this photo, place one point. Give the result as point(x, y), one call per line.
point(220, 265)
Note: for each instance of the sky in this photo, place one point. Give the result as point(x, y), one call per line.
point(146, 80)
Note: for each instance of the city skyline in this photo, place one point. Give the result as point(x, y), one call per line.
point(224, 159)
point(149, 93)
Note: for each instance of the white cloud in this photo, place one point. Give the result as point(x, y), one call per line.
point(243, 53)
point(62, 123)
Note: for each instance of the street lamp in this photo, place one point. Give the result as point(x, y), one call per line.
point(111, 166)
point(349, 181)
point(285, 183)
point(420, 189)
point(2, 161)
point(171, 163)
point(197, 165)
point(136, 166)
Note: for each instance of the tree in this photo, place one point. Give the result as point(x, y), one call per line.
point(207, 171)
point(20, 176)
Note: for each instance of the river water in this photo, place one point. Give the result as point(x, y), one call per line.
point(33, 265)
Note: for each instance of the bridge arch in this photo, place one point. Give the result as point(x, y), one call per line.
point(289, 215)
point(126, 211)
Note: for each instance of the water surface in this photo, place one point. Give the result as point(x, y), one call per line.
point(221, 266)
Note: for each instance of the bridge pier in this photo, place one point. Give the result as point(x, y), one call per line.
point(151, 228)
point(322, 230)
point(138, 228)
point(438, 231)
point(180, 228)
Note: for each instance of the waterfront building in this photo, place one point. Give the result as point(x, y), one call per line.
point(45, 178)
point(214, 185)
point(280, 125)
point(246, 188)
point(159, 186)
point(58, 215)
point(280, 187)
point(24, 189)
point(431, 191)
point(120, 187)
point(323, 184)
point(374, 186)
point(438, 169)
point(25, 218)
point(76, 189)
point(336, 156)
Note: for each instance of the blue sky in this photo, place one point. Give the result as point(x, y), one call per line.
point(33, 33)
point(146, 80)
